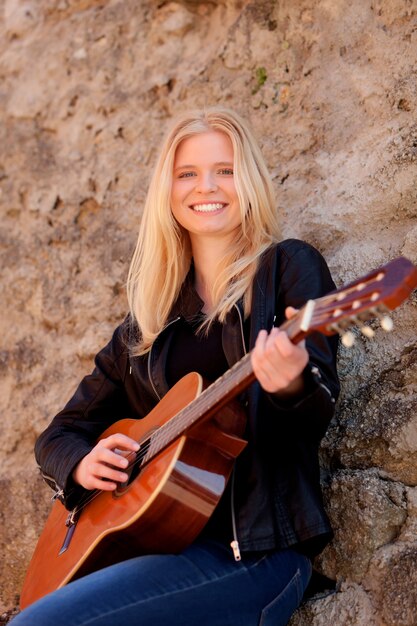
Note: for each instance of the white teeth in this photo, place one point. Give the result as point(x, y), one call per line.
point(206, 208)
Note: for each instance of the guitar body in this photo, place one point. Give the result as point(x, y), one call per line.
point(161, 510)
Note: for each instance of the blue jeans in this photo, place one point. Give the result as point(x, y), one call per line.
point(202, 586)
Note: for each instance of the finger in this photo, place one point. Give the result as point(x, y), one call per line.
point(277, 346)
point(127, 454)
point(103, 455)
point(294, 357)
point(258, 350)
point(282, 344)
point(85, 476)
point(119, 440)
point(261, 340)
point(261, 358)
point(101, 485)
point(101, 471)
point(272, 350)
point(290, 311)
point(264, 344)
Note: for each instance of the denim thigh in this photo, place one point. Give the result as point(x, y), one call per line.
point(203, 586)
point(278, 612)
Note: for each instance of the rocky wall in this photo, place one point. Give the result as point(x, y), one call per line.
point(330, 87)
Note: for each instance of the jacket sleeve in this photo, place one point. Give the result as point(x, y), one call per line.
point(99, 401)
point(303, 275)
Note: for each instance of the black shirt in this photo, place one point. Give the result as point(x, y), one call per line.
point(192, 350)
point(195, 351)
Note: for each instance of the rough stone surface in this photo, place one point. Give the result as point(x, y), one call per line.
point(86, 90)
point(350, 606)
point(375, 509)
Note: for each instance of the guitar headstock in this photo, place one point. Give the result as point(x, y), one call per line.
point(371, 296)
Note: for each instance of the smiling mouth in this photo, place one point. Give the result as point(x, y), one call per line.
point(209, 207)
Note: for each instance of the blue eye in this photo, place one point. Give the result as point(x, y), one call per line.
point(186, 174)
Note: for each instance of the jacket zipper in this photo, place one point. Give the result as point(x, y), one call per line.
point(150, 354)
point(317, 375)
point(235, 543)
point(59, 492)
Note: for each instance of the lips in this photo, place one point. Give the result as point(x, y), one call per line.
point(208, 207)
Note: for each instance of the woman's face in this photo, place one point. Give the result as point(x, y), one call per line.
point(203, 194)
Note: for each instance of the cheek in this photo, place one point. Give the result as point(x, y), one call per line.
point(176, 207)
point(179, 192)
point(174, 201)
point(230, 187)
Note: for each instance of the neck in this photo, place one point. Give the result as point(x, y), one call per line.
point(207, 256)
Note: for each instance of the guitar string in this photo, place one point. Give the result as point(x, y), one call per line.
point(201, 404)
point(164, 434)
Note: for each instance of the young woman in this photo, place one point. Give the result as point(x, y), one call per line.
point(209, 281)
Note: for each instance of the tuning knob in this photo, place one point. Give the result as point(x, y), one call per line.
point(386, 323)
point(348, 339)
point(367, 331)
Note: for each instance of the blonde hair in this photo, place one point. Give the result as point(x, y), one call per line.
point(162, 257)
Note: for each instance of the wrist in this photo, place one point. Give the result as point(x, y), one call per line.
point(294, 389)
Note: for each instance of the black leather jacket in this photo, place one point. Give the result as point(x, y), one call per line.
point(278, 500)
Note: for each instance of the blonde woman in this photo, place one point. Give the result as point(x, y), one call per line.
point(210, 280)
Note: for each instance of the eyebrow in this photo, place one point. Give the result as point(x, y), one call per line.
point(218, 164)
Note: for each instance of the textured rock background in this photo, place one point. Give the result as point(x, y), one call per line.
point(330, 86)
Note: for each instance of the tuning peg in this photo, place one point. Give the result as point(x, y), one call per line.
point(348, 339)
point(386, 323)
point(367, 331)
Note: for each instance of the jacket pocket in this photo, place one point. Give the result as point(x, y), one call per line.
point(278, 612)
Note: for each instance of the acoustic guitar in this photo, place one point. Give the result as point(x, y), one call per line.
point(188, 445)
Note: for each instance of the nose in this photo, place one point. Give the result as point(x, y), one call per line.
point(206, 183)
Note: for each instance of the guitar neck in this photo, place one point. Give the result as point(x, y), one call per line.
point(219, 393)
point(366, 298)
point(211, 400)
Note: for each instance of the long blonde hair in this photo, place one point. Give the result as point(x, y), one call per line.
point(162, 256)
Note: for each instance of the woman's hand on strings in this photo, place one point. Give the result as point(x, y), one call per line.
point(102, 468)
point(278, 363)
